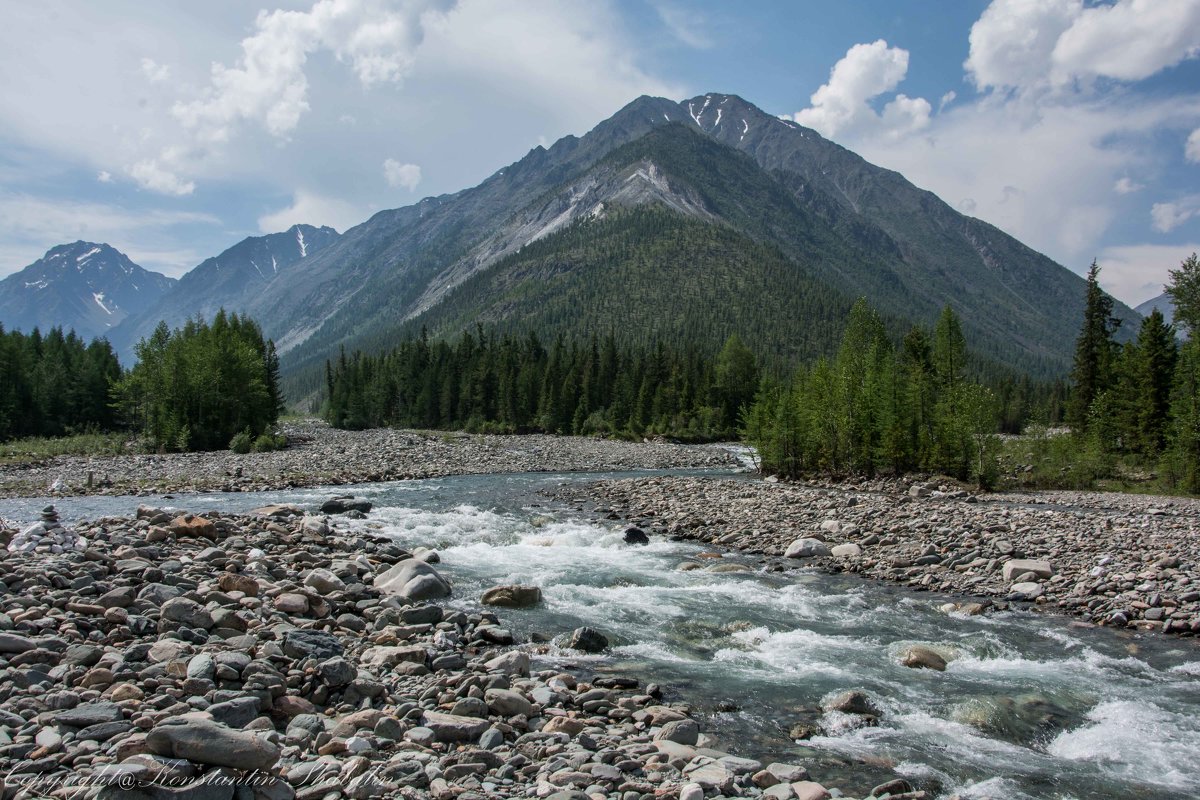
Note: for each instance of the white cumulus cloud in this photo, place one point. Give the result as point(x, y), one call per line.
point(1140, 272)
point(1191, 150)
point(398, 174)
point(1023, 44)
point(104, 176)
point(1167, 217)
point(866, 71)
point(268, 84)
point(153, 175)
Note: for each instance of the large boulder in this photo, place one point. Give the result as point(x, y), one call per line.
point(589, 640)
point(1016, 567)
point(806, 548)
point(312, 644)
point(192, 525)
point(206, 742)
point(512, 596)
point(414, 580)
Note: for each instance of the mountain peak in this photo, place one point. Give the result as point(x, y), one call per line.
point(88, 287)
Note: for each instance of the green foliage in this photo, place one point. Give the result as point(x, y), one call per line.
point(266, 442)
point(199, 386)
point(874, 409)
point(486, 383)
point(1095, 351)
point(92, 443)
point(242, 442)
point(54, 385)
point(1184, 291)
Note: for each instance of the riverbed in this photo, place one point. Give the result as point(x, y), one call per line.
point(1030, 706)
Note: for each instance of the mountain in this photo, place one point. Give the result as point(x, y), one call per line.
point(86, 287)
point(232, 280)
point(1163, 303)
point(846, 228)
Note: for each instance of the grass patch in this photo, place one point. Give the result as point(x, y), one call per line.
point(84, 444)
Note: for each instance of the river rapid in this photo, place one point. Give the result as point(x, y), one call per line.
point(1030, 706)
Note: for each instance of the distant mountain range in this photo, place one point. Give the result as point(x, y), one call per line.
point(233, 280)
point(86, 287)
point(674, 221)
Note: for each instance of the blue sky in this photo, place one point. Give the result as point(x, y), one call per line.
point(174, 129)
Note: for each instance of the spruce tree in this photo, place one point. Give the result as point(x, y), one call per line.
point(1094, 351)
point(1157, 353)
point(1184, 291)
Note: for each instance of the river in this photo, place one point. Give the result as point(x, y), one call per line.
point(1030, 706)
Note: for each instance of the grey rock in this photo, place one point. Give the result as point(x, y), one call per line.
point(208, 742)
point(806, 548)
point(413, 579)
point(312, 644)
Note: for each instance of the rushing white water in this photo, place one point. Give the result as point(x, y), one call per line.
point(1030, 706)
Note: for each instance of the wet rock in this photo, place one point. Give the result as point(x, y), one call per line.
point(848, 550)
point(589, 640)
point(414, 580)
point(854, 701)
point(921, 657)
point(684, 731)
point(635, 535)
point(512, 596)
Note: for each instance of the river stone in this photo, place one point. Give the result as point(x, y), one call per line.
point(312, 644)
point(1019, 566)
point(206, 742)
point(513, 662)
point(806, 548)
point(324, 581)
point(920, 657)
point(89, 714)
point(236, 713)
point(710, 774)
point(691, 791)
point(810, 790)
point(451, 728)
point(191, 525)
point(413, 579)
point(589, 640)
point(512, 596)
point(788, 773)
point(854, 701)
point(847, 550)
point(683, 731)
point(337, 672)
point(12, 643)
point(507, 703)
point(291, 603)
point(234, 582)
point(635, 535)
point(186, 612)
point(1028, 590)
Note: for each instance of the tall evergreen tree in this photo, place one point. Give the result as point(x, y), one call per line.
point(1095, 350)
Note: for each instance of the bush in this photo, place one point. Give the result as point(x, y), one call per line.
point(242, 442)
point(266, 443)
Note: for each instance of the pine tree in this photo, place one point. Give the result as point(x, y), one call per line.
point(1184, 291)
point(1157, 353)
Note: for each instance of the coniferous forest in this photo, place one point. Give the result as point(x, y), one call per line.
point(518, 384)
point(55, 384)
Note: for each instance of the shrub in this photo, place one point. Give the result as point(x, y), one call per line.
point(266, 443)
point(242, 442)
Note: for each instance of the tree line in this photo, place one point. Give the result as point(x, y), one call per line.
point(199, 387)
point(1137, 405)
point(484, 381)
point(55, 384)
point(878, 407)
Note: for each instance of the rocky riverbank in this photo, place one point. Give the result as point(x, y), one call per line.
point(1116, 560)
point(280, 654)
point(319, 455)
